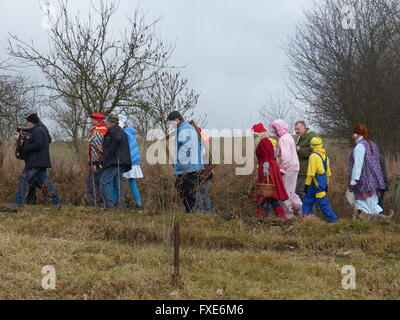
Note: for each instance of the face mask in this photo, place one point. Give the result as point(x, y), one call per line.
point(174, 124)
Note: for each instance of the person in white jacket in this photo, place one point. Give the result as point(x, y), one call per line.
point(365, 178)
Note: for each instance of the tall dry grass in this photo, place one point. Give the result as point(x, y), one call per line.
point(115, 255)
point(118, 255)
point(230, 193)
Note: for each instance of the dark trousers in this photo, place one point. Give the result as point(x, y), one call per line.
point(31, 196)
point(381, 198)
point(93, 187)
point(300, 187)
point(35, 178)
point(187, 186)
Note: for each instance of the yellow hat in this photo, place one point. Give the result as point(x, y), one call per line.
point(316, 142)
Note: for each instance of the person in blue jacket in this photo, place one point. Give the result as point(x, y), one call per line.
point(188, 160)
point(136, 172)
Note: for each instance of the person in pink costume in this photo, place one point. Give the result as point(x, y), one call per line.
point(289, 164)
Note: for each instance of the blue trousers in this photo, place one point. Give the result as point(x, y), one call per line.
point(35, 177)
point(135, 191)
point(111, 186)
point(310, 199)
point(203, 200)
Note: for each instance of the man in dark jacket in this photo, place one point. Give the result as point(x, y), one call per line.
point(116, 161)
point(31, 197)
point(304, 136)
point(37, 160)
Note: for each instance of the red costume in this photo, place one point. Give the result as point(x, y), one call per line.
point(265, 153)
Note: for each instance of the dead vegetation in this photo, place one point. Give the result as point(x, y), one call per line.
point(230, 254)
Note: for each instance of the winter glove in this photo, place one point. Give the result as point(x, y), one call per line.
point(353, 182)
point(266, 169)
point(306, 188)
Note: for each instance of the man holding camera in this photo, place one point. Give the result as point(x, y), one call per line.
point(37, 160)
point(31, 196)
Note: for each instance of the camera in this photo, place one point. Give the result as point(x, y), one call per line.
point(22, 129)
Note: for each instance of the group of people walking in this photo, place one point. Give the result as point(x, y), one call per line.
point(301, 172)
point(298, 168)
point(114, 157)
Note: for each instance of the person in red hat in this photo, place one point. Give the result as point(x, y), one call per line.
point(96, 139)
point(268, 167)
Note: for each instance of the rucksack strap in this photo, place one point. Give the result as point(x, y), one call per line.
point(324, 162)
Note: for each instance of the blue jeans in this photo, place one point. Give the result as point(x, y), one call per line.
point(111, 180)
point(35, 177)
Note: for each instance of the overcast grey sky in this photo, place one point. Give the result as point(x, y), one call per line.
point(232, 49)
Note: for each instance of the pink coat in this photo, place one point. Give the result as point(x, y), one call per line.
point(289, 161)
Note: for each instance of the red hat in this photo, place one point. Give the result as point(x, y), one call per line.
point(98, 116)
point(257, 128)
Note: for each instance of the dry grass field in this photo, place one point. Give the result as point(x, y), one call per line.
point(230, 254)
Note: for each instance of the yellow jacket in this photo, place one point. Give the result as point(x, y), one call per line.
point(315, 166)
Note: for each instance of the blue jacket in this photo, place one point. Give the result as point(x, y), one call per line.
point(133, 145)
point(188, 150)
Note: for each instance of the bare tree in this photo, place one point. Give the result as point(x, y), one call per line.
point(349, 74)
point(281, 107)
point(16, 96)
point(168, 91)
point(71, 118)
point(88, 69)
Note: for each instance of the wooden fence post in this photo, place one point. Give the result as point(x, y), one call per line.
point(177, 241)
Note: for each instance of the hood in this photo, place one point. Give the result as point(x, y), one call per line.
point(278, 127)
point(321, 151)
point(130, 130)
point(309, 131)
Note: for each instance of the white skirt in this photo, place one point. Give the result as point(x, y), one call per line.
point(134, 173)
point(369, 205)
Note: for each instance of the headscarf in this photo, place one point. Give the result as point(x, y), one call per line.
point(279, 127)
point(122, 120)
